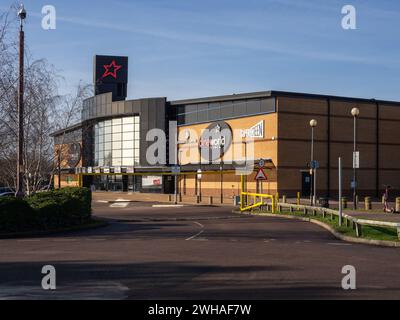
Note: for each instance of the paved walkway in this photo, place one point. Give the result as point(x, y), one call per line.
point(157, 198)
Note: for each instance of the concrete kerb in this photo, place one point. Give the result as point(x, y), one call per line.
point(184, 203)
point(382, 243)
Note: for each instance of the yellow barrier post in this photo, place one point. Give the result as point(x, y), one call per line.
point(241, 191)
point(298, 200)
point(80, 180)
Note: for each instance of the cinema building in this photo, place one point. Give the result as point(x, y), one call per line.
point(216, 135)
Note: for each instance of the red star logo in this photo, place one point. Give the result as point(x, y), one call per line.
point(114, 67)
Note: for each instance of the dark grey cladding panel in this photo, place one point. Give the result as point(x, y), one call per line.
point(152, 115)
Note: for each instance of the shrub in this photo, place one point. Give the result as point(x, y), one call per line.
point(15, 214)
point(46, 210)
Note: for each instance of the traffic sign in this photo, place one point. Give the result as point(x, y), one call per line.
point(176, 170)
point(260, 175)
point(314, 164)
point(261, 163)
point(356, 159)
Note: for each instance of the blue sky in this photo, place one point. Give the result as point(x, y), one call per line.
point(192, 48)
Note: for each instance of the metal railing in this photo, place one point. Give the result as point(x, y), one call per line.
point(277, 207)
point(347, 219)
point(257, 200)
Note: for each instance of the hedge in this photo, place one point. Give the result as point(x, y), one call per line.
point(46, 210)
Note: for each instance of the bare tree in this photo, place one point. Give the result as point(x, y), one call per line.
point(45, 112)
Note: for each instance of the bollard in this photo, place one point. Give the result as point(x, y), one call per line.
point(383, 199)
point(344, 202)
point(398, 205)
point(283, 199)
point(180, 197)
point(368, 205)
point(210, 200)
point(169, 198)
point(197, 199)
point(277, 197)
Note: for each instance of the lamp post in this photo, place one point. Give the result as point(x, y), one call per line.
point(313, 170)
point(355, 112)
point(20, 109)
point(198, 175)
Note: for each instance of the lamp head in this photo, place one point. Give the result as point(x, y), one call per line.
point(22, 12)
point(313, 123)
point(355, 112)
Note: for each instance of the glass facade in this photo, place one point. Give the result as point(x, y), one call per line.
point(116, 142)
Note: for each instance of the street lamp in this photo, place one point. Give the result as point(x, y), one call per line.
point(313, 169)
point(20, 109)
point(355, 112)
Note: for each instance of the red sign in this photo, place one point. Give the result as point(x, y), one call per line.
point(111, 70)
point(260, 175)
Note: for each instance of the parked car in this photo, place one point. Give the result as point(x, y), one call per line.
point(7, 194)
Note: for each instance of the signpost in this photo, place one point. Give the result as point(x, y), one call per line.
point(176, 170)
point(199, 176)
point(340, 191)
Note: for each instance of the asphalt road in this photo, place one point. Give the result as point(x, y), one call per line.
point(194, 252)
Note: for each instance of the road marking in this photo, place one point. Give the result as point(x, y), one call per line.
point(197, 234)
point(199, 224)
point(122, 200)
point(339, 244)
point(102, 201)
point(29, 240)
point(119, 205)
point(65, 240)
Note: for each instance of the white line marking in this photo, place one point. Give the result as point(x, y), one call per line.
point(197, 234)
point(199, 224)
point(339, 244)
point(102, 201)
point(119, 205)
point(122, 200)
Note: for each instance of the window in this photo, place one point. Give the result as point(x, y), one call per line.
point(117, 142)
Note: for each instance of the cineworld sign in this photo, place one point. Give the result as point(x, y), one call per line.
point(215, 140)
